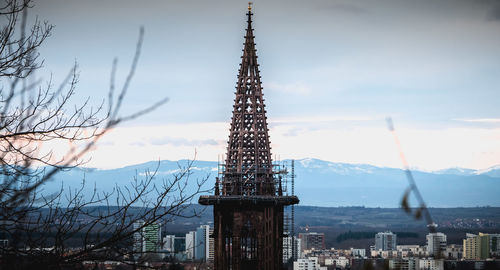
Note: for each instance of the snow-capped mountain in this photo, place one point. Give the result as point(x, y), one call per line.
point(321, 183)
point(457, 171)
point(492, 171)
point(339, 168)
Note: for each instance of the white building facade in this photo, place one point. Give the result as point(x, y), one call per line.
point(288, 248)
point(310, 263)
point(169, 243)
point(436, 244)
point(385, 241)
point(190, 236)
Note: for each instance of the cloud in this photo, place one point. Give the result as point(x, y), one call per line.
point(351, 139)
point(297, 88)
point(315, 119)
point(292, 132)
point(182, 141)
point(480, 120)
point(429, 149)
point(137, 144)
point(108, 143)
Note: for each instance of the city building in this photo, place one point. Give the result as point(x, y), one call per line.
point(310, 263)
point(147, 238)
point(476, 247)
point(430, 264)
point(411, 251)
point(211, 247)
point(453, 252)
point(495, 245)
point(385, 241)
point(312, 240)
point(404, 264)
point(384, 254)
point(174, 247)
point(169, 243)
point(416, 264)
point(358, 252)
point(137, 245)
point(341, 262)
point(201, 242)
point(179, 244)
point(288, 248)
point(152, 237)
point(189, 244)
point(436, 244)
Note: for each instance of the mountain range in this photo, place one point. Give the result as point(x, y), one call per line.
point(318, 182)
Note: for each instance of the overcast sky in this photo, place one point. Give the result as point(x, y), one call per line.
point(331, 70)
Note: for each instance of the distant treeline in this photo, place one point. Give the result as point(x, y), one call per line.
point(366, 235)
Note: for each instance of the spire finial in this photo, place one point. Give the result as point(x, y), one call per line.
point(250, 6)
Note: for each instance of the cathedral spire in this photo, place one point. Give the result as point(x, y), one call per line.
point(248, 162)
point(249, 200)
point(249, 64)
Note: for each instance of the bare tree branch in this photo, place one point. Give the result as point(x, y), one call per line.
point(40, 226)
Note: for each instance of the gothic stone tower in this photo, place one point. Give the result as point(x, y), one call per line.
point(248, 201)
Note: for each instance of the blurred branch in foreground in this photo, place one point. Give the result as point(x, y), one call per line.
point(422, 209)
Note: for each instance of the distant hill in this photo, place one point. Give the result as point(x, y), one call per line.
point(322, 183)
point(346, 227)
